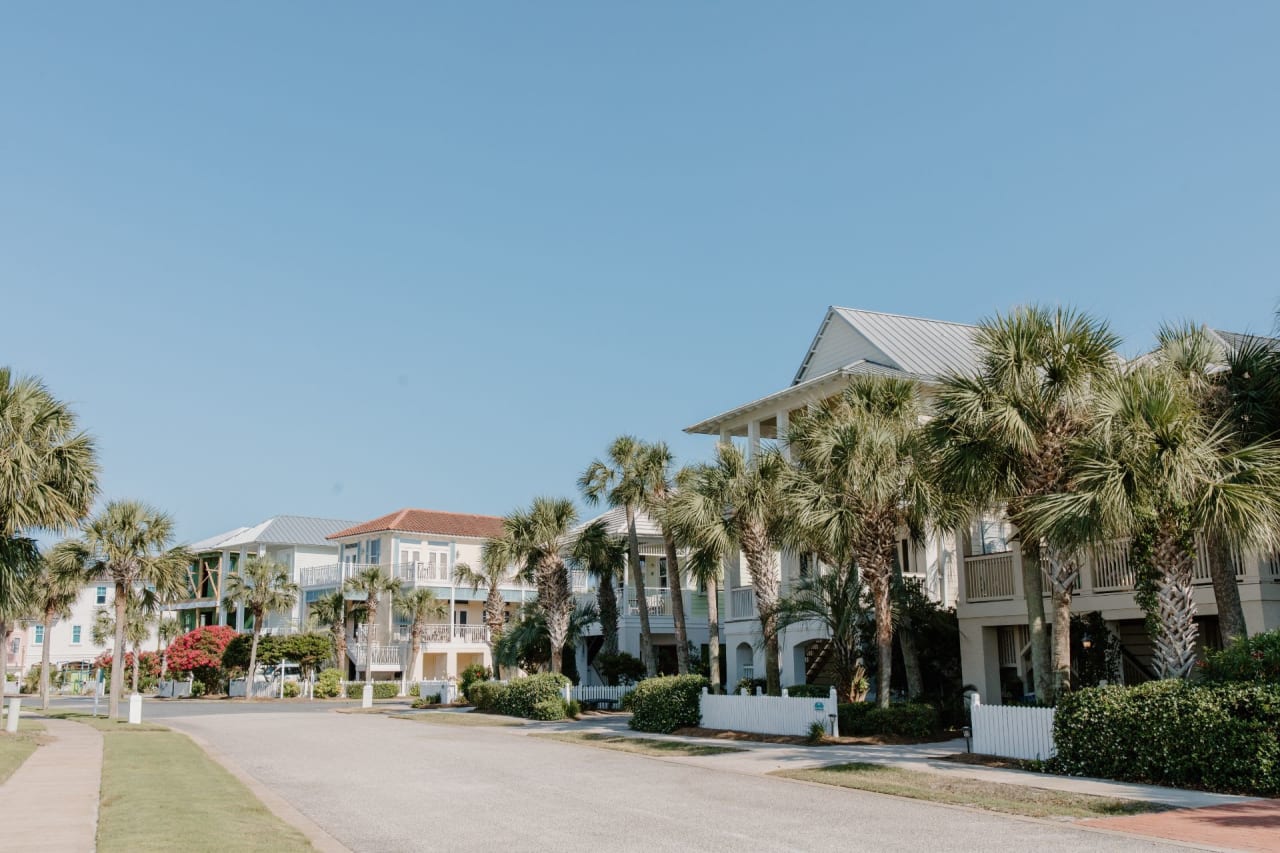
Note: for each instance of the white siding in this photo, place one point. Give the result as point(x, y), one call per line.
point(840, 345)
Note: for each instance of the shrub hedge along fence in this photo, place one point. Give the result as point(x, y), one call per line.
point(666, 704)
point(1221, 737)
point(908, 719)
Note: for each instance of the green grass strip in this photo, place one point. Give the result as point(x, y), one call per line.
point(638, 745)
point(17, 748)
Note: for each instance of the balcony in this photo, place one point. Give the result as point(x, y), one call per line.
point(742, 603)
point(658, 600)
point(444, 633)
point(989, 577)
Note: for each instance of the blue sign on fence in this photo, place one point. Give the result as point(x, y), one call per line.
point(817, 706)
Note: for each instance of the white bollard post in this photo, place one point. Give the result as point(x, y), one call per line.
point(366, 696)
point(567, 693)
point(135, 708)
point(15, 708)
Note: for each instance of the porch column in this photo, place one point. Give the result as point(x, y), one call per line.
point(784, 423)
point(725, 438)
point(753, 438)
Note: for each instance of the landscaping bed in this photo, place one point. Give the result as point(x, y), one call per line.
point(827, 740)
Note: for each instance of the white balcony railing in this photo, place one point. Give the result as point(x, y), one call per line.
point(989, 577)
point(419, 572)
point(471, 633)
point(444, 633)
point(578, 580)
point(659, 601)
point(1110, 565)
point(742, 603)
point(384, 654)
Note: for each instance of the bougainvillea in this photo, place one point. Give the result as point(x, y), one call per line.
point(199, 653)
point(148, 665)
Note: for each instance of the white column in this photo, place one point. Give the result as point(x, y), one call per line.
point(784, 423)
point(725, 438)
point(753, 438)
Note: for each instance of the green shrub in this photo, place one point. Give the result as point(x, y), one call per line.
point(809, 691)
point(574, 710)
point(292, 690)
point(415, 690)
point(522, 694)
point(1256, 658)
point(907, 719)
point(751, 684)
point(817, 731)
point(328, 684)
point(1222, 737)
point(381, 690)
point(484, 694)
point(474, 673)
point(666, 704)
point(427, 701)
point(620, 668)
point(548, 710)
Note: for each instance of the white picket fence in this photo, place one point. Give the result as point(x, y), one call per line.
point(1010, 731)
point(446, 690)
point(602, 692)
point(769, 715)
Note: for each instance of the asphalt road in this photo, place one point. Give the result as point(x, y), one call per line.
point(382, 784)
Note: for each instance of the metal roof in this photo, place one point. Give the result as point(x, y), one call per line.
point(277, 530)
point(927, 348)
point(615, 521)
point(1234, 340)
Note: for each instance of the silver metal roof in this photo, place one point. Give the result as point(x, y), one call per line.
point(278, 530)
point(927, 348)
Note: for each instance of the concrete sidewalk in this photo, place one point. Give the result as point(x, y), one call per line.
point(51, 801)
point(763, 758)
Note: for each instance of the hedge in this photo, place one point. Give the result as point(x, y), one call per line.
point(907, 719)
point(328, 684)
point(549, 710)
point(381, 690)
point(666, 704)
point(520, 696)
point(1221, 737)
point(809, 691)
point(484, 694)
point(1255, 658)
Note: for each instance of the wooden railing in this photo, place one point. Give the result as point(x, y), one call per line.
point(1110, 565)
point(989, 577)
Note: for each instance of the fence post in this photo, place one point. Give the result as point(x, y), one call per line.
point(835, 707)
point(785, 693)
point(759, 691)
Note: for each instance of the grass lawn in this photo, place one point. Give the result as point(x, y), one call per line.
point(958, 791)
point(456, 718)
point(638, 745)
point(160, 792)
point(17, 748)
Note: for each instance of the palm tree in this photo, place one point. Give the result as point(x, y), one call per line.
point(137, 625)
point(419, 605)
point(619, 480)
point(603, 557)
point(167, 630)
point(1002, 434)
point(262, 587)
point(835, 599)
point(372, 584)
point(705, 566)
point(655, 467)
point(862, 475)
point(51, 594)
point(48, 479)
point(1238, 389)
point(1153, 469)
point(537, 538)
point(496, 569)
point(331, 611)
point(735, 504)
point(130, 543)
point(527, 644)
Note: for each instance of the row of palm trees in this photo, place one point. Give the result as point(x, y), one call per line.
point(1075, 446)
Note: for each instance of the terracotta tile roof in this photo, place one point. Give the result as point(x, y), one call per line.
point(428, 521)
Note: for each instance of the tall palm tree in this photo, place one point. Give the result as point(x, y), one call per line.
point(604, 557)
point(861, 476)
point(1238, 389)
point(51, 595)
point(130, 543)
point(1153, 469)
point(167, 630)
point(372, 584)
point(1002, 434)
point(705, 565)
point(526, 643)
point(835, 599)
point(618, 479)
point(48, 479)
point(495, 569)
point(419, 605)
point(330, 611)
point(262, 587)
point(139, 610)
point(735, 504)
point(655, 466)
point(537, 538)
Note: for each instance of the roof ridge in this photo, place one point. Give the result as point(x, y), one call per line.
point(906, 316)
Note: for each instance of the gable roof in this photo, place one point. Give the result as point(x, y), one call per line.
point(277, 530)
point(428, 521)
point(1232, 341)
point(912, 345)
point(615, 521)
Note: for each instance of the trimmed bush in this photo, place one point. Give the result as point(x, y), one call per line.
point(666, 704)
point(908, 719)
point(548, 710)
point(292, 690)
point(574, 709)
point(427, 701)
point(751, 684)
point(1256, 658)
point(328, 684)
point(484, 694)
point(1222, 737)
point(809, 691)
point(522, 694)
point(381, 690)
point(472, 674)
point(415, 690)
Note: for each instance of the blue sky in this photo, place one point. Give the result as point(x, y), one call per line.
point(335, 259)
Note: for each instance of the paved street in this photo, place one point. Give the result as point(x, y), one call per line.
point(381, 784)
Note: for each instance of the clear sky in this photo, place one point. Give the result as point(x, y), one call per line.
point(335, 259)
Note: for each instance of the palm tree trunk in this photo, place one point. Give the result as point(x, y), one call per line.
point(1061, 640)
point(44, 663)
point(677, 603)
point(765, 582)
point(371, 619)
point(253, 660)
point(1033, 592)
point(117, 656)
point(907, 639)
point(1175, 634)
point(642, 601)
point(607, 601)
point(713, 634)
point(137, 653)
point(1226, 593)
point(884, 636)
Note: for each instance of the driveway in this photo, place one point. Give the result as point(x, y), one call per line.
point(382, 784)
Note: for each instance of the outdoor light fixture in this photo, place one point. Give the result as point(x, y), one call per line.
point(967, 731)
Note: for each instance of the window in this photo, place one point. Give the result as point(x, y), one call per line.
point(989, 535)
point(39, 635)
point(75, 635)
point(13, 646)
point(460, 617)
point(806, 565)
point(902, 556)
point(101, 596)
point(662, 573)
point(374, 551)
